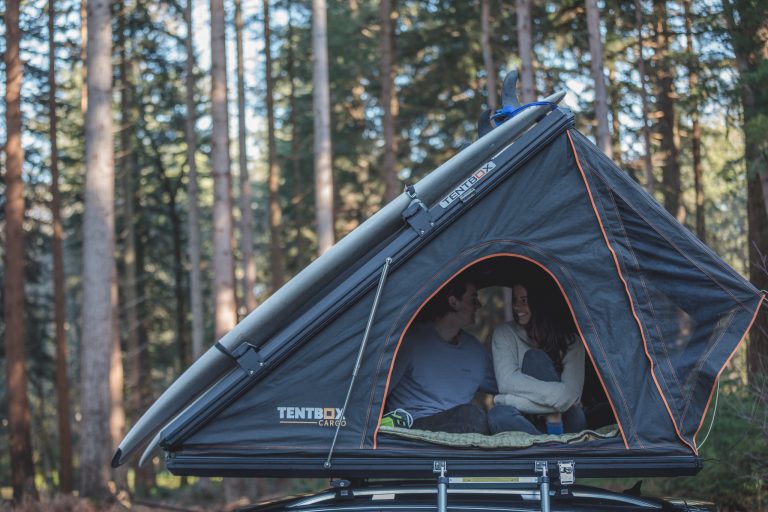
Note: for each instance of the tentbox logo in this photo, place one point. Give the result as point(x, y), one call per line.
point(468, 184)
point(319, 416)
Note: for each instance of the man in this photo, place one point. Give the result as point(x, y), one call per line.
point(439, 367)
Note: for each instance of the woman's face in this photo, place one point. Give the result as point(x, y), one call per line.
point(520, 305)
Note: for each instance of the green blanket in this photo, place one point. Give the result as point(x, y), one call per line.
point(500, 440)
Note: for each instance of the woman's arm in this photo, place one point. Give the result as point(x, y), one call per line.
point(507, 346)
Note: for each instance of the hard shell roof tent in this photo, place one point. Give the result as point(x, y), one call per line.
point(298, 387)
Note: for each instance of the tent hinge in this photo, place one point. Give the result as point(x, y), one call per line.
point(248, 358)
point(417, 214)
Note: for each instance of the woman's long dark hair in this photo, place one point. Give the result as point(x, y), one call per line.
point(551, 325)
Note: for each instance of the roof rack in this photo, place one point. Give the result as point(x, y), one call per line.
point(538, 486)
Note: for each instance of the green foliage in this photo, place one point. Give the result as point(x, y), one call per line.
point(735, 474)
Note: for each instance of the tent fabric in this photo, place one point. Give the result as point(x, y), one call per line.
point(659, 313)
point(679, 307)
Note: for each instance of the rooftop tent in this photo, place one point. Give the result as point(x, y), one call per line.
point(659, 313)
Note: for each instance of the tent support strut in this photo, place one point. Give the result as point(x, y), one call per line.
point(374, 307)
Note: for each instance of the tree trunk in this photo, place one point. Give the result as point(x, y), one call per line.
point(273, 175)
point(66, 484)
point(650, 185)
point(116, 392)
point(129, 238)
point(19, 418)
point(693, 87)
point(195, 277)
point(322, 118)
point(388, 102)
point(298, 186)
point(601, 96)
point(223, 264)
point(485, 43)
point(246, 212)
point(750, 50)
point(98, 246)
point(525, 47)
point(665, 101)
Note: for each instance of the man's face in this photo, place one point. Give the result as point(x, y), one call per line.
point(467, 305)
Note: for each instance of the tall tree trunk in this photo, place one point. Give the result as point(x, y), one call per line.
point(746, 23)
point(298, 185)
point(98, 247)
point(145, 475)
point(665, 101)
point(485, 43)
point(650, 185)
point(601, 96)
point(116, 392)
point(66, 484)
point(693, 87)
point(195, 277)
point(614, 92)
point(388, 102)
point(273, 174)
point(19, 418)
point(223, 263)
point(525, 47)
point(126, 170)
point(83, 56)
point(246, 213)
point(322, 117)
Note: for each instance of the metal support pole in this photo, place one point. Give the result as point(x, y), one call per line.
point(442, 489)
point(367, 333)
point(543, 485)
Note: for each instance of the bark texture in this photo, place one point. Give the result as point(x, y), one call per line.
point(650, 184)
point(19, 418)
point(193, 220)
point(601, 95)
point(488, 64)
point(66, 484)
point(98, 247)
point(388, 101)
point(246, 195)
point(321, 101)
point(665, 105)
point(693, 88)
point(223, 263)
point(273, 172)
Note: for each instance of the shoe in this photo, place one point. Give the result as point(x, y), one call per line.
point(399, 418)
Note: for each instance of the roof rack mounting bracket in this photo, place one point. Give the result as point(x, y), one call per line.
point(248, 358)
point(417, 216)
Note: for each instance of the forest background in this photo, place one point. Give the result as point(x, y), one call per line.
point(166, 166)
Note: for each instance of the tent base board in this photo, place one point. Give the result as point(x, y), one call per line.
point(411, 467)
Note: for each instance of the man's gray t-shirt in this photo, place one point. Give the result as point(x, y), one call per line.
point(432, 375)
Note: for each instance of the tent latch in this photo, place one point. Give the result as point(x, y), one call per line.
point(567, 472)
point(417, 216)
point(248, 358)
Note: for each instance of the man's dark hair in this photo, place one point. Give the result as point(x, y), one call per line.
point(438, 307)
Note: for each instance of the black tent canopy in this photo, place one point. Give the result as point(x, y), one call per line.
point(659, 313)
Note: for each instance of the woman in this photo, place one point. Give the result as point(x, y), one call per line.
point(539, 366)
